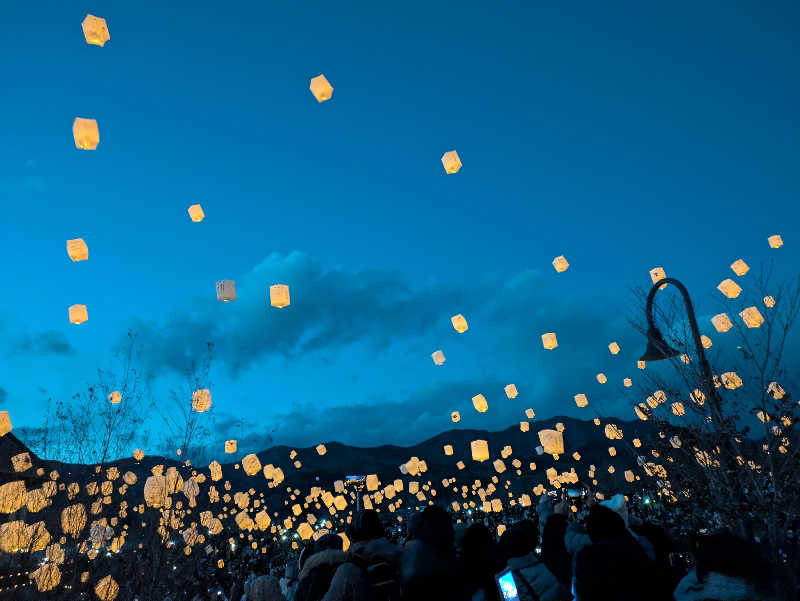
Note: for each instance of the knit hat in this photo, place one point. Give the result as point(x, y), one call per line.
point(617, 504)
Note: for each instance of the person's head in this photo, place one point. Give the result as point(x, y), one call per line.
point(263, 588)
point(518, 540)
point(732, 556)
point(618, 505)
point(329, 541)
point(478, 548)
point(435, 528)
point(603, 523)
point(366, 525)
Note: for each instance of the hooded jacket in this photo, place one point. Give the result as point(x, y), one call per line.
point(538, 577)
point(349, 583)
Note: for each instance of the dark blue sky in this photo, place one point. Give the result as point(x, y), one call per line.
point(625, 136)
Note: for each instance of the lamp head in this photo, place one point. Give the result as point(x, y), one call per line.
point(657, 347)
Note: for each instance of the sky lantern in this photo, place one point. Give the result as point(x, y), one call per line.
point(448, 449)
point(201, 400)
point(641, 364)
point(549, 341)
point(729, 288)
point(455, 416)
point(230, 446)
point(279, 296)
point(12, 496)
point(721, 322)
point(321, 450)
point(678, 409)
point(511, 391)
point(529, 413)
point(560, 264)
point(78, 314)
point(321, 88)
point(115, 398)
point(524, 426)
point(751, 317)
point(705, 341)
point(438, 357)
point(459, 323)
point(769, 302)
point(451, 162)
point(613, 432)
point(138, 454)
point(106, 589)
point(581, 400)
point(552, 442)
point(95, 30)
point(627, 382)
point(251, 464)
point(5, 423)
point(613, 348)
point(480, 404)
point(601, 377)
point(85, 133)
point(226, 291)
point(658, 273)
point(739, 267)
point(196, 213)
point(77, 250)
point(480, 450)
point(775, 241)
point(731, 380)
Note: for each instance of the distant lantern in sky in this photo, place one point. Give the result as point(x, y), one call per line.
point(115, 397)
point(775, 241)
point(77, 250)
point(549, 341)
point(201, 400)
point(451, 162)
point(230, 446)
point(480, 450)
point(769, 302)
point(196, 213)
point(95, 30)
point(86, 133)
point(729, 288)
point(627, 382)
point(279, 296)
point(552, 442)
point(705, 341)
point(459, 323)
point(614, 348)
point(321, 450)
point(751, 317)
point(226, 290)
point(722, 322)
point(448, 449)
point(601, 377)
point(455, 416)
point(511, 391)
point(560, 263)
point(78, 314)
point(739, 267)
point(529, 413)
point(641, 364)
point(321, 88)
point(5, 423)
point(438, 357)
point(658, 273)
point(581, 400)
point(480, 404)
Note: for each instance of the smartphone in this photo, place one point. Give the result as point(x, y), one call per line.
point(507, 586)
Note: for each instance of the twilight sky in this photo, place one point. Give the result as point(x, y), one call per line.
point(624, 135)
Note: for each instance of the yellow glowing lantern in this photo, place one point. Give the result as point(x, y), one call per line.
point(705, 341)
point(460, 465)
point(769, 302)
point(627, 382)
point(115, 398)
point(731, 380)
point(451, 162)
point(697, 396)
point(47, 577)
point(78, 314)
point(581, 400)
point(614, 348)
point(560, 264)
point(196, 213)
point(459, 323)
point(552, 442)
point(279, 296)
point(612, 451)
point(656, 274)
point(739, 267)
point(642, 412)
point(524, 426)
point(251, 464)
point(729, 288)
point(601, 377)
point(722, 322)
point(321, 450)
point(85, 133)
point(549, 341)
point(448, 449)
point(775, 241)
point(77, 250)
point(499, 466)
point(5, 423)
point(438, 357)
point(138, 454)
point(637, 443)
point(21, 462)
point(201, 400)
point(629, 477)
point(226, 291)
point(372, 482)
point(511, 391)
point(529, 413)
point(678, 409)
point(613, 432)
point(751, 317)
point(480, 450)
point(12, 496)
point(455, 416)
point(95, 30)
point(776, 391)
point(480, 404)
point(321, 88)
point(230, 446)
point(641, 364)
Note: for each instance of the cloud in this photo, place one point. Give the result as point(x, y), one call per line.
point(330, 308)
point(50, 342)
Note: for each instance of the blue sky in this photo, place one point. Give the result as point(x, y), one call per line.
point(624, 136)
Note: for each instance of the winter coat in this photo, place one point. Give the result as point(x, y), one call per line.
point(575, 538)
point(317, 574)
point(349, 582)
point(555, 554)
point(428, 573)
point(616, 569)
point(715, 586)
point(529, 569)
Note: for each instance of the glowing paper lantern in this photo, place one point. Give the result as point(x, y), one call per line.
point(251, 464)
point(524, 426)
point(581, 400)
point(196, 213)
point(658, 273)
point(230, 446)
point(751, 317)
point(769, 302)
point(776, 391)
point(549, 341)
point(455, 416)
point(459, 323)
point(614, 348)
point(95, 30)
point(321, 450)
point(775, 241)
point(480, 404)
point(511, 391)
point(552, 442)
point(601, 377)
point(721, 322)
point(321, 88)
point(629, 477)
point(641, 364)
point(85, 133)
point(21, 462)
point(226, 291)
point(729, 288)
point(613, 432)
point(5, 423)
point(115, 398)
point(560, 264)
point(201, 400)
point(279, 296)
point(480, 450)
point(529, 413)
point(678, 409)
point(138, 454)
point(739, 267)
point(12, 496)
point(705, 341)
point(78, 314)
point(731, 380)
point(77, 250)
point(448, 449)
point(627, 382)
point(438, 357)
point(451, 162)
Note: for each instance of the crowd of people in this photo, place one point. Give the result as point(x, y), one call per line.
point(547, 553)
